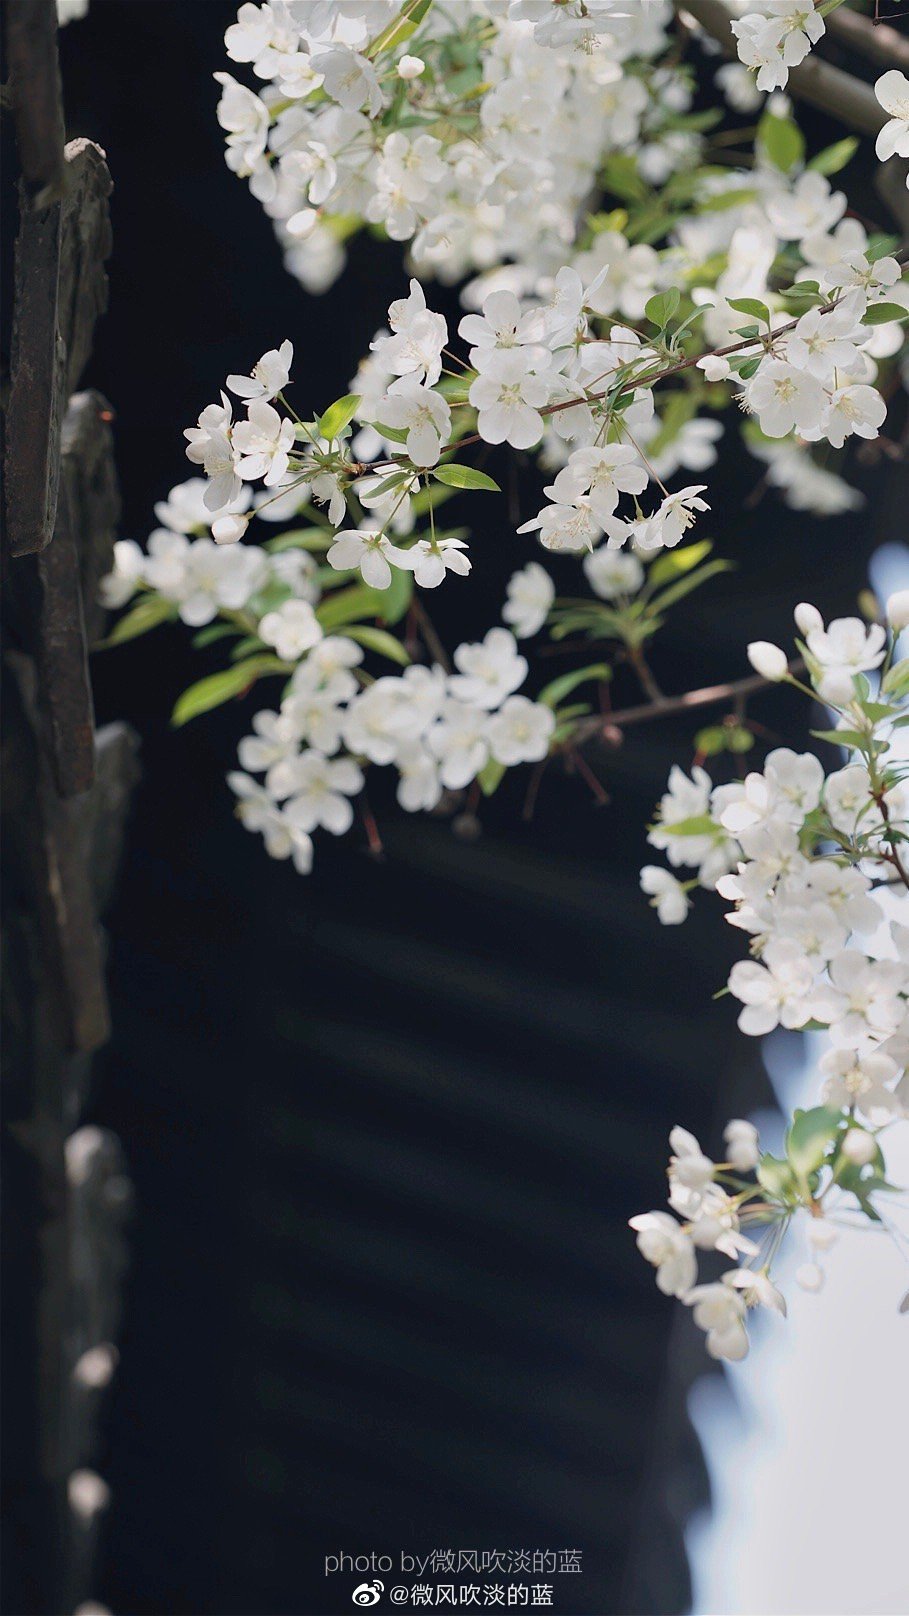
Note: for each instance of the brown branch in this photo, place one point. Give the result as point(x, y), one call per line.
point(599, 727)
point(875, 41)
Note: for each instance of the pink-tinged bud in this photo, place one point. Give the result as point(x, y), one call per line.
point(410, 67)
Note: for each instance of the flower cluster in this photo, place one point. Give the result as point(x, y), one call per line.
point(439, 731)
point(456, 150)
point(538, 373)
point(814, 862)
point(635, 272)
point(776, 35)
point(473, 132)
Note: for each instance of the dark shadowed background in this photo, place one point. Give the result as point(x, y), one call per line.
point(386, 1124)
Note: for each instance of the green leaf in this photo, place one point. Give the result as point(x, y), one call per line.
point(556, 691)
point(301, 538)
point(776, 1177)
point(673, 563)
point(750, 305)
point(896, 680)
point(696, 825)
point(841, 737)
point(357, 601)
point(392, 603)
point(391, 432)
point(457, 476)
point(214, 631)
point(347, 606)
point(376, 639)
point(339, 415)
point(221, 687)
point(835, 157)
point(883, 313)
point(881, 247)
point(804, 289)
point(809, 1137)
point(684, 586)
point(490, 777)
point(782, 140)
point(250, 643)
point(401, 27)
point(660, 309)
point(387, 485)
point(621, 178)
point(146, 615)
point(724, 200)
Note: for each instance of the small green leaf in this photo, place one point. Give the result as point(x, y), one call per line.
point(841, 737)
point(218, 688)
point(660, 309)
point(696, 825)
point(621, 178)
point(835, 157)
point(672, 563)
point(896, 680)
point(809, 1137)
point(457, 476)
point(684, 586)
point(393, 433)
point(339, 415)
point(401, 27)
point(245, 647)
point(723, 200)
point(387, 485)
point(214, 631)
point(782, 140)
point(301, 538)
point(883, 313)
point(378, 640)
point(146, 615)
point(346, 606)
point(750, 305)
point(556, 691)
point(776, 1177)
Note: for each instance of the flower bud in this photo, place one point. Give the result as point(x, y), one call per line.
point(810, 1277)
point(898, 610)
point(807, 618)
point(229, 529)
point(768, 660)
point(859, 1147)
point(821, 1234)
point(410, 67)
point(300, 225)
point(742, 1146)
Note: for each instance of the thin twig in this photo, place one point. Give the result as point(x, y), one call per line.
point(599, 727)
